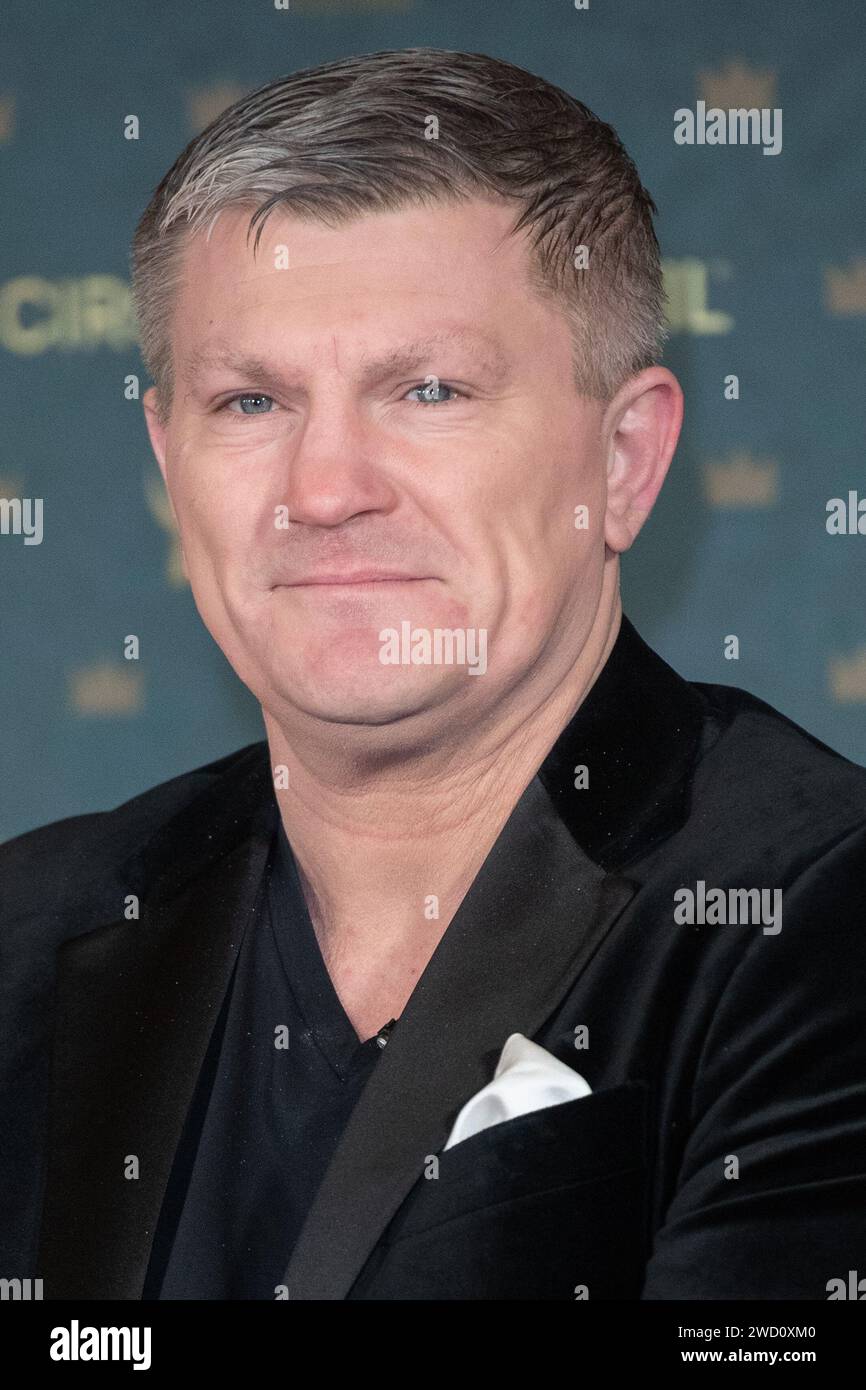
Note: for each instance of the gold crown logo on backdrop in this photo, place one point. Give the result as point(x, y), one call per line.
point(845, 290)
point(847, 676)
point(7, 118)
point(106, 688)
point(741, 480)
point(737, 85)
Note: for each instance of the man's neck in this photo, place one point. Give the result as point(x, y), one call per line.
point(386, 853)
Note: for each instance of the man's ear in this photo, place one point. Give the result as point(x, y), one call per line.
point(155, 427)
point(641, 426)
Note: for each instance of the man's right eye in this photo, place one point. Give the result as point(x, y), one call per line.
point(254, 398)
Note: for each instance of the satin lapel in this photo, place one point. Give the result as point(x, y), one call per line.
point(136, 1005)
point(530, 923)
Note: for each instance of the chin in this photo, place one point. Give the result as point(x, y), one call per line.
point(352, 713)
point(354, 700)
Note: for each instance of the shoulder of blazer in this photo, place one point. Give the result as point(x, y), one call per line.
point(64, 875)
point(772, 776)
point(665, 754)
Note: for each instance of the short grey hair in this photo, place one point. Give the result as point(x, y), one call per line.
point(335, 142)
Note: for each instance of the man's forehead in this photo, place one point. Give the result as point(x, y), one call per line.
point(469, 238)
point(389, 353)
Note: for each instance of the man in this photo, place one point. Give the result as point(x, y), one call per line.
point(511, 964)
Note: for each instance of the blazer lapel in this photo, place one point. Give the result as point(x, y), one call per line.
point(531, 921)
point(135, 1007)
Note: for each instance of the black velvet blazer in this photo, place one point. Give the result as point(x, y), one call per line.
point(722, 1152)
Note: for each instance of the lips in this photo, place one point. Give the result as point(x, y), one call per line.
point(358, 577)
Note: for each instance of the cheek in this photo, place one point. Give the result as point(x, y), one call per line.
point(563, 569)
point(455, 612)
point(211, 518)
point(532, 611)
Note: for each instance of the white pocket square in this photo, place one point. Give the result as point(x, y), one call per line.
point(527, 1078)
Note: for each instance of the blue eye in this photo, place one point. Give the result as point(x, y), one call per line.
point(429, 393)
point(254, 396)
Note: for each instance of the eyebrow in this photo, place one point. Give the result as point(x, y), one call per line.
point(409, 357)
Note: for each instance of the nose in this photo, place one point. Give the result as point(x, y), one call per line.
point(338, 466)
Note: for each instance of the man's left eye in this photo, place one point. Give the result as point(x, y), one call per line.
point(431, 392)
point(259, 404)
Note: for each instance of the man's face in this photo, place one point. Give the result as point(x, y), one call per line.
point(406, 406)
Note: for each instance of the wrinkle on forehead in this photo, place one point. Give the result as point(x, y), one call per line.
point(486, 349)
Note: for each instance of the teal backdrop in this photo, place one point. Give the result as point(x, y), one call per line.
point(765, 264)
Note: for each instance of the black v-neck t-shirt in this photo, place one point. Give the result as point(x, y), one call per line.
point(283, 1073)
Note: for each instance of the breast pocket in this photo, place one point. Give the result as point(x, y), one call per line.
point(545, 1205)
